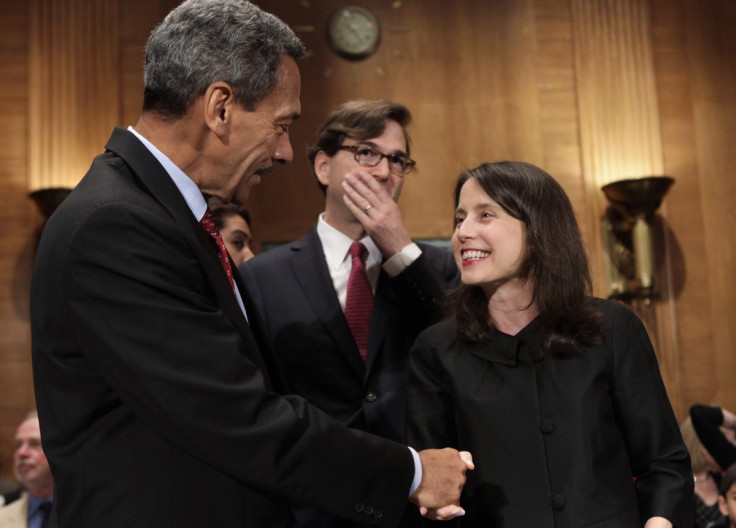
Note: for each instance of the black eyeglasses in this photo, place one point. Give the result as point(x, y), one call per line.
point(370, 157)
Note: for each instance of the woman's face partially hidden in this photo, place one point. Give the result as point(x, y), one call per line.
point(236, 235)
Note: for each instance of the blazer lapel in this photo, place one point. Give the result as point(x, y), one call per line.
point(310, 269)
point(156, 181)
point(383, 311)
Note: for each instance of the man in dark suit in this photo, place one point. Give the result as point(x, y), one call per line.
point(303, 288)
point(158, 393)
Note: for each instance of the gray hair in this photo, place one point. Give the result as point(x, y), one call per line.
point(204, 41)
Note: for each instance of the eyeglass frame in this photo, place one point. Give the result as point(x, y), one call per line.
point(408, 167)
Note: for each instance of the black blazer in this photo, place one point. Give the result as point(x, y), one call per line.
point(587, 441)
point(293, 288)
point(159, 404)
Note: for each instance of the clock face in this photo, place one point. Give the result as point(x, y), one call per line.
point(353, 32)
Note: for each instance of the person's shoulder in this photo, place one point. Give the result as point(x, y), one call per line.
point(265, 261)
point(612, 310)
point(15, 511)
point(441, 334)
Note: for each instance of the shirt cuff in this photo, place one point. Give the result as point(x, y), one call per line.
point(402, 260)
point(417, 472)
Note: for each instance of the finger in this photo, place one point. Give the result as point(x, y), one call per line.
point(352, 191)
point(467, 458)
point(356, 208)
point(367, 187)
point(445, 513)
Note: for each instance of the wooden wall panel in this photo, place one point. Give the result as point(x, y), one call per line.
point(712, 72)
point(17, 238)
point(690, 281)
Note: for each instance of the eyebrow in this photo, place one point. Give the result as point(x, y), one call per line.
point(371, 144)
point(240, 231)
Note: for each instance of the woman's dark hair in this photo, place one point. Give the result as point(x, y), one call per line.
point(556, 259)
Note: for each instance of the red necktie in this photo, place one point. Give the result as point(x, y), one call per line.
point(208, 224)
point(359, 302)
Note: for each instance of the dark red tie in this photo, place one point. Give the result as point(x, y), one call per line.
point(359, 302)
point(208, 224)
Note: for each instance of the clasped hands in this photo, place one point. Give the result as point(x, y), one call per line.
point(443, 478)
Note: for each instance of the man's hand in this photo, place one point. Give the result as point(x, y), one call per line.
point(443, 478)
point(382, 220)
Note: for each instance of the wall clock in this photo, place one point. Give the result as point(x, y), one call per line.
point(353, 32)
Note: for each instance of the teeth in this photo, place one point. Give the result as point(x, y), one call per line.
point(475, 255)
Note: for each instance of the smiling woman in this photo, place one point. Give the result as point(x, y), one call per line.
point(557, 395)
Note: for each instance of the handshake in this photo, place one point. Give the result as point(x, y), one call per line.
point(443, 478)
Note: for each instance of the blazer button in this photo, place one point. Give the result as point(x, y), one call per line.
point(377, 514)
point(369, 510)
point(359, 507)
point(557, 501)
point(546, 426)
point(371, 396)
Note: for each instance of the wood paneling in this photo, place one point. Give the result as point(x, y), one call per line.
point(590, 90)
point(19, 221)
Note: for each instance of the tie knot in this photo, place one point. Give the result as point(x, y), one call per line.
point(357, 249)
point(208, 223)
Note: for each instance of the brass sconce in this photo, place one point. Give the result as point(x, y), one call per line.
point(49, 199)
point(629, 237)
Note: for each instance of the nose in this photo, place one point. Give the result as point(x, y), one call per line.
point(463, 230)
point(21, 450)
point(248, 253)
point(284, 152)
point(382, 170)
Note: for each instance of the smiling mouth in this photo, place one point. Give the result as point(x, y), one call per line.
point(473, 255)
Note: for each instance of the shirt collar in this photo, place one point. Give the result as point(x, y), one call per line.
point(336, 245)
point(34, 503)
point(504, 348)
point(188, 189)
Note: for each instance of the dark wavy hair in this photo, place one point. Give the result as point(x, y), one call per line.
point(204, 41)
point(360, 119)
point(556, 259)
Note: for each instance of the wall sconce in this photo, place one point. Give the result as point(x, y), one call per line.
point(629, 237)
point(49, 199)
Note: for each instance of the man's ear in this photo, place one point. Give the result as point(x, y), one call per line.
point(322, 167)
point(722, 505)
point(219, 101)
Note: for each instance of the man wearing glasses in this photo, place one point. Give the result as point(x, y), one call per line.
point(309, 291)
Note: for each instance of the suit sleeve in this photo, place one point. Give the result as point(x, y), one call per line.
point(659, 459)
point(144, 313)
point(425, 282)
point(707, 422)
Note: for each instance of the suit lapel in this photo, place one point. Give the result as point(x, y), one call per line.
point(156, 181)
point(383, 311)
point(310, 269)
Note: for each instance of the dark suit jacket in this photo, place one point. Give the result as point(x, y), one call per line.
point(158, 402)
point(292, 286)
point(586, 441)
